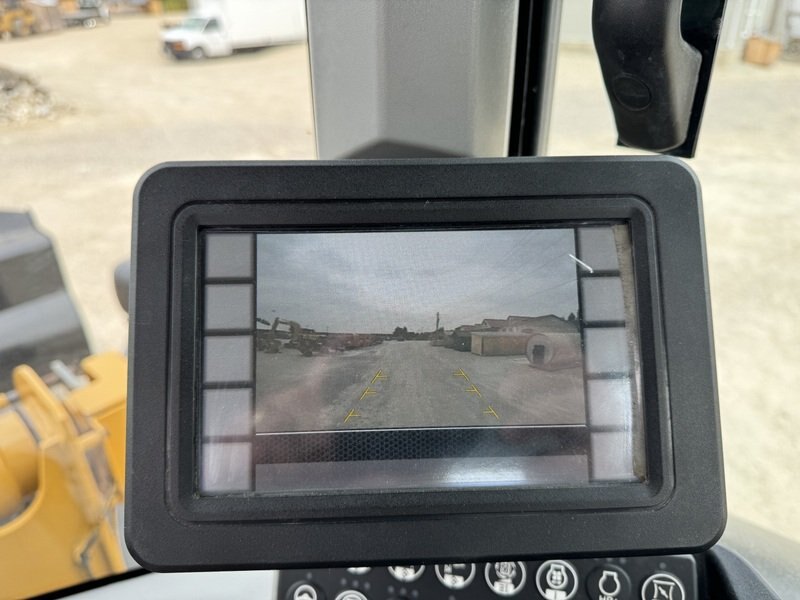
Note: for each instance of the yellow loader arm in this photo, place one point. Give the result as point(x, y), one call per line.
point(62, 473)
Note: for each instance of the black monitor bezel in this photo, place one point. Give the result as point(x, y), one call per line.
point(660, 199)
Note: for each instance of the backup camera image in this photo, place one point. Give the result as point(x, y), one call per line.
point(417, 329)
point(360, 357)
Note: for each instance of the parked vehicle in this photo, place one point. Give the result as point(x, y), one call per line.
point(221, 27)
point(88, 15)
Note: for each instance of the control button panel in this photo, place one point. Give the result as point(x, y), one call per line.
point(635, 578)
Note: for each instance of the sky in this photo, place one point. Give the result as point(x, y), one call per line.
point(374, 282)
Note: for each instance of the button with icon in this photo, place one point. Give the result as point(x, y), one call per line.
point(663, 586)
point(608, 582)
point(351, 595)
point(505, 578)
point(456, 576)
point(557, 580)
point(407, 573)
point(302, 590)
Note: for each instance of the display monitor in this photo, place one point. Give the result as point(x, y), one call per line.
point(429, 358)
point(392, 362)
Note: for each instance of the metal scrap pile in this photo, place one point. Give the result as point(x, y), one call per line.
point(22, 100)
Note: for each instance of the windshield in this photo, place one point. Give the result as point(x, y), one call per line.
point(88, 104)
point(194, 24)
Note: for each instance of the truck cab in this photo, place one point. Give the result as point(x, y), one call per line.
point(196, 37)
point(216, 28)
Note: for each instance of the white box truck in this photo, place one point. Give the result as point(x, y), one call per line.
point(220, 27)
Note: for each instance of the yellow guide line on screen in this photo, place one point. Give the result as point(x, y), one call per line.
point(474, 390)
point(460, 373)
point(352, 414)
point(368, 392)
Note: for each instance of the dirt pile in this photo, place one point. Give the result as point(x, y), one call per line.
point(23, 100)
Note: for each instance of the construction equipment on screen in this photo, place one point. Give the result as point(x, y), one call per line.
point(272, 339)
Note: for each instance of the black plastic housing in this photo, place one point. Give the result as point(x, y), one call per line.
point(657, 60)
point(680, 508)
point(38, 320)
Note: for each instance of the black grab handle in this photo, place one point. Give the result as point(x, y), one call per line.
point(650, 71)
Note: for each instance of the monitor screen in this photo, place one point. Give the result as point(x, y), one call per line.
point(343, 361)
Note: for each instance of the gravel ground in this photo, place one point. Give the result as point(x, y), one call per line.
point(132, 108)
point(417, 389)
point(22, 100)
